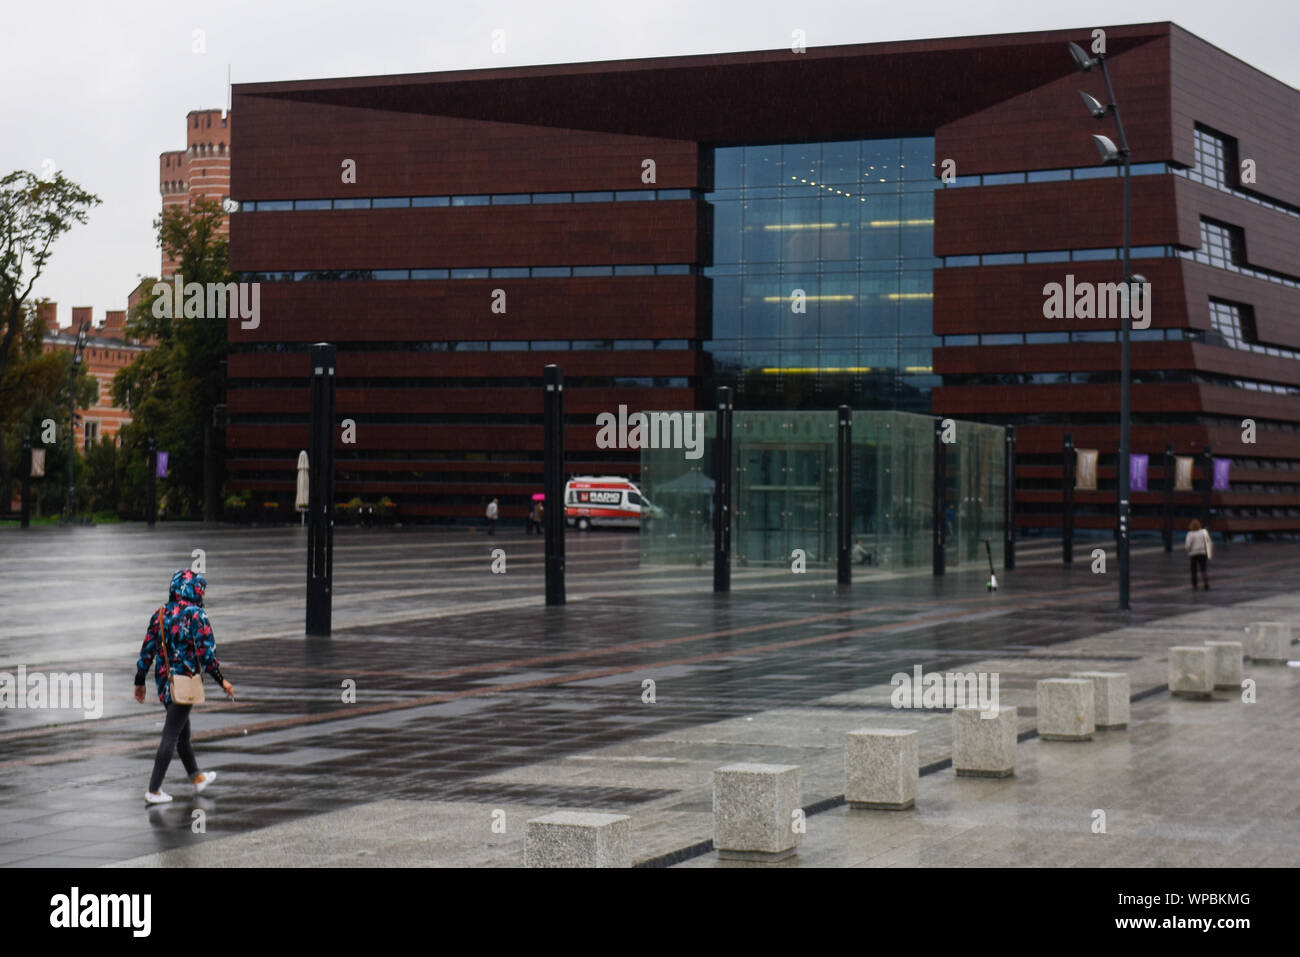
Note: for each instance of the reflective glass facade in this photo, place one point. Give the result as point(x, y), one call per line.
point(822, 273)
point(784, 479)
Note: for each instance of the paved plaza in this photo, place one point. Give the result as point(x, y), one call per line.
point(477, 706)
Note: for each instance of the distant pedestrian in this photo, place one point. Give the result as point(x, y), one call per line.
point(859, 553)
point(492, 513)
point(1200, 549)
point(180, 638)
point(535, 519)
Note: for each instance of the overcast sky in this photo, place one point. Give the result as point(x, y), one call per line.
point(100, 89)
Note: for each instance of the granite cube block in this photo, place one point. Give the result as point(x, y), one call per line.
point(1191, 672)
point(1268, 642)
point(1225, 663)
point(881, 768)
point(1110, 697)
point(984, 747)
point(578, 839)
point(1066, 710)
point(754, 809)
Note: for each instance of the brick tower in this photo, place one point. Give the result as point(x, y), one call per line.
point(201, 169)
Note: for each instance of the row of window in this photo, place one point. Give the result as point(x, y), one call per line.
point(1056, 175)
point(1217, 166)
point(1139, 376)
point(477, 272)
point(476, 199)
point(1058, 256)
point(533, 345)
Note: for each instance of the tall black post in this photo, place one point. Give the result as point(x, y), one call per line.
point(1167, 531)
point(1208, 506)
point(1067, 500)
point(1009, 509)
point(553, 482)
point(722, 493)
point(27, 481)
point(320, 505)
point(940, 521)
point(153, 482)
point(844, 527)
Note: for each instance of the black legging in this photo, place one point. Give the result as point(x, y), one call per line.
point(175, 738)
point(1200, 562)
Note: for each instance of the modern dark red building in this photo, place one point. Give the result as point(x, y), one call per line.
point(779, 222)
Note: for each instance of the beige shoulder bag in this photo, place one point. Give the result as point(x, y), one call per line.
point(185, 689)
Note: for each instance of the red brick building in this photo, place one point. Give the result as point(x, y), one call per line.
point(106, 352)
point(202, 169)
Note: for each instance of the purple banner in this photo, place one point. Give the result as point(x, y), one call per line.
point(161, 471)
point(1221, 467)
point(1137, 472)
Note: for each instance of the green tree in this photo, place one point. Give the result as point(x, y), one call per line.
point(34, 213)
point(171, 390)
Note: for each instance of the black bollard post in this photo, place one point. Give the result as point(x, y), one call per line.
point(1067, 500)
point(553, 482)
point(1009, 507)
point(320, 504)
point(27, 481)
point(1167, 531)
point(153, 482)
point(722, 493)
point(939, 493)
point(844, 435)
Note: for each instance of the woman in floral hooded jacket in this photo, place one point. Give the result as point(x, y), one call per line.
point(190, 647)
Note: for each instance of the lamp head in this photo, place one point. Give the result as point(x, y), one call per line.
point(1107, 148)
point(1093, 105)
point(1085, 62)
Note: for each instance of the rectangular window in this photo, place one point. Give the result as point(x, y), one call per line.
point(420, 201)
point(392, 202)
point(634, 270)
point(1002, 179)
point(593, 197)
point(961, 340)
point(275, 206)
point(299, 204)
point(469, 273)
point(92, 434)
point(1221, 244)
point(1096, 172)
point(1048, 256)
point(392, 274)
point(1215, 157)
point(508, 346)
point(953, 261)
point(550, 272)
point(674, 194)
point(550, 345)
point(673, 269)
point(1001, 259)
point(1088, 255)
point(352, 204)
point(429, 273)
point(470, 200)
point(511, 199)
point(552, 198)
point(509, 272)
point(593, 271)
point(1048, 175)
point(1002, 339)
point(1045, 338)
point(633, 195)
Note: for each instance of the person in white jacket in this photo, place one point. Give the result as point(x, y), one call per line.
point(492, 517)
point(1199, 549)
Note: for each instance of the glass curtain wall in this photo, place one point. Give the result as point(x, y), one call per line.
point(822, 273)
point(784, 480)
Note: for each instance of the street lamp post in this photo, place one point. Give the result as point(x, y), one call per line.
point(82, 332)
point(1110, 153)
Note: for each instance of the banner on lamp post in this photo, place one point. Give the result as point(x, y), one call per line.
point(1222, 468)
point(161, 470)
point(1137, 472)
point(1182, 473)
point(1085, 470)
point(38, 463)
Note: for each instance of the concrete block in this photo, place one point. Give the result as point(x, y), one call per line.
point(881, 768)
point(578, 839)
point(1225, 663)
point(1191, 672)
point(754, 811)
point(1110, 694)
point(984, 747)
point(1066, 711)
point(1268, 642)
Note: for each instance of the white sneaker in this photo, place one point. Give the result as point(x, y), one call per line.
point(206, 778)
point(159, 797)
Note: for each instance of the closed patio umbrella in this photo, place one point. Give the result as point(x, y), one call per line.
point(303, 501)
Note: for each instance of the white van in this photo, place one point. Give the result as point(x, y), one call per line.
point(612, 500)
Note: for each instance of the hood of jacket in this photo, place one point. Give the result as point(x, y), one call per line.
point(188, 585)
